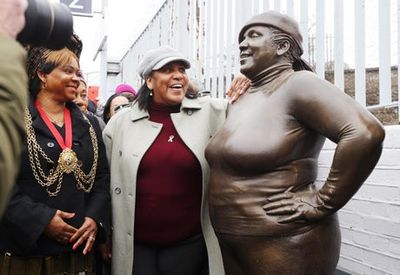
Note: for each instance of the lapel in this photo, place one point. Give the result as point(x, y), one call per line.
point(188, 123)
point(135, 113)
point(37, 123)
point(80, 126)
point(140, 133)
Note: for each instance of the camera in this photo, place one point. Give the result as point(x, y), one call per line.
point(47, 24)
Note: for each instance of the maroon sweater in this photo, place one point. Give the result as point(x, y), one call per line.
point(169, 186)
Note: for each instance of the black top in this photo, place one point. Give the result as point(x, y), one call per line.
point(31, 208)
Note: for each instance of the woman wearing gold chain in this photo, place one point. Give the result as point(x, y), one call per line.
point(60, 201)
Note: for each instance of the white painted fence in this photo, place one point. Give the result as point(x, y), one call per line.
point(206, 32)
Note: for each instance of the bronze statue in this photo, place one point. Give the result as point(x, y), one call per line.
point(269, 216)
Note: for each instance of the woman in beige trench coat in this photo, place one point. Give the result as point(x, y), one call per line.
point(131, 138)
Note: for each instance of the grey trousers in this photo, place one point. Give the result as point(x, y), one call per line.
point(184, 258)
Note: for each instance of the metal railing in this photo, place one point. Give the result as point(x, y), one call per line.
point(206, 32)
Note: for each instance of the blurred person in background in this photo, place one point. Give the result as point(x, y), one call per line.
point(13, 94)
point(159, 175)
point(114, 104)
point(196, 87)
point(82, 101)
point(60, 202)
point(127, 90)
point(92, 106)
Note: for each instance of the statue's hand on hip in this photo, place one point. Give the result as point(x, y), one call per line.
point(302, 206)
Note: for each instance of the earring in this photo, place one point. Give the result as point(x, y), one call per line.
point(44, 85)
point(151, 93)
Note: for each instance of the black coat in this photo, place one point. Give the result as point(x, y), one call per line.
point(31, 208)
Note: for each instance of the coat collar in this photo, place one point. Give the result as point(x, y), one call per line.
point(187, 104)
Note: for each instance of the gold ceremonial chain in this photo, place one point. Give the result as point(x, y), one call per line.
point(66, 163)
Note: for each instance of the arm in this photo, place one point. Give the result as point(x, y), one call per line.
point(239, 86)
point(12, 18)
point(13, 93)
point(99, 198)
point(325, 109)
point(22, 211)
point(97, 222)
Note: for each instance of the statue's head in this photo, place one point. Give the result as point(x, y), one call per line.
point(267, 39)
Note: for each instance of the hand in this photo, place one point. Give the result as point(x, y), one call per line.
point(105, 250)
point(59, 230)
point(12, 17)
point(239, 86)
point(302, 206)
point(86, 233)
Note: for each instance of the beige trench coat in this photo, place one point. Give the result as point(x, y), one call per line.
point(127, 137)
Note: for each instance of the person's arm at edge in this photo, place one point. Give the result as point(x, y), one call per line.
point(13, 93)
point(14, 99)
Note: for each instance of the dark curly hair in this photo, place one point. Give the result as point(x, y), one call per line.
point(45, 60)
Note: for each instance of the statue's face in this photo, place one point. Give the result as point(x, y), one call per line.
point(257, 51)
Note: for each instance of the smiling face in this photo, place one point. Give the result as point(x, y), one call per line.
point(62, 83)
point(169, 84)
point(82, 99)
point(257, 51)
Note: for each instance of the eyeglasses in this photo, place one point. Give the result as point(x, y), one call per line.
point(120, 107)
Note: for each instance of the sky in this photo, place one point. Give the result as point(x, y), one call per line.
point(123, 23)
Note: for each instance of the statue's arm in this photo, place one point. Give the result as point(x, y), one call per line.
point(322, 107)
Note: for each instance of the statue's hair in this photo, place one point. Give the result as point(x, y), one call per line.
point(294, 51)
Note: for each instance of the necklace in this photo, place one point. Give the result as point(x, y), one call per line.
point(67, 161)
point(56, 118)
point(59, 121)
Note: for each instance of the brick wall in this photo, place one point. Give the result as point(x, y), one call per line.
point(370, 222)
point(388, 116)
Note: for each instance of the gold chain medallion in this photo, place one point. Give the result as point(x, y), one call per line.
point(68, 160)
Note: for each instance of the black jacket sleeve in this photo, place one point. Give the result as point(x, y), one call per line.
point(99, 199)
point(21, 211)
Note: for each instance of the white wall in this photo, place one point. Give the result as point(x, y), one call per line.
point(370, 222)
